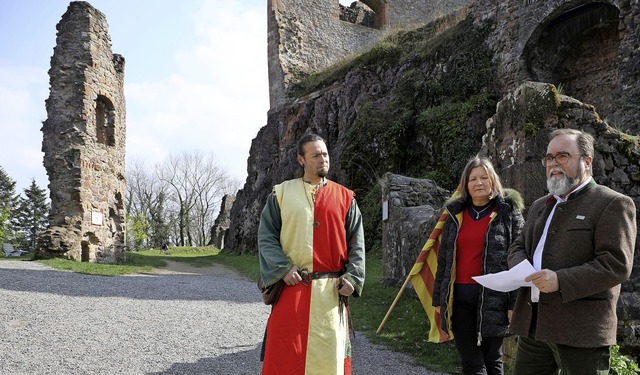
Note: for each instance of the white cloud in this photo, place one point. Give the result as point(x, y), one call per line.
point(217, 98)
point(22, 110)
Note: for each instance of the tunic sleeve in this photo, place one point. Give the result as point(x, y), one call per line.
point(355, 245)
point(274, 265)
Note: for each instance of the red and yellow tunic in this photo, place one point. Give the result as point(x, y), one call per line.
point(306, 332)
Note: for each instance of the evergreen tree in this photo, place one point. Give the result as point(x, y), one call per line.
point(30, 218)
point(8, 203)
point(158, 227)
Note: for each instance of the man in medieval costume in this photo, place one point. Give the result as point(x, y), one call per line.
point(311, 237)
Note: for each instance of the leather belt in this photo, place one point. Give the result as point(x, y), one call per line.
point(308, 276)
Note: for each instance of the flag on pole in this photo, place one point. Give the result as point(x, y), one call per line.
point(422, 277)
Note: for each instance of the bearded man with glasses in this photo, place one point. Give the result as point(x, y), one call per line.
point(581, 239)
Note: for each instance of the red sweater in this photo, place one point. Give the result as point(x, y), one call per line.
point(470, 245)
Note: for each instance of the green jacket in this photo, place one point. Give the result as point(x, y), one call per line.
point(590, 245)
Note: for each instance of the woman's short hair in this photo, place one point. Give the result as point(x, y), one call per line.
point(479, 161)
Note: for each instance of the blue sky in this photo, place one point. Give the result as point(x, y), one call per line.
point(195, 78)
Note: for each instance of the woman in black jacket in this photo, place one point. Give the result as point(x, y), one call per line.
point(483, 221)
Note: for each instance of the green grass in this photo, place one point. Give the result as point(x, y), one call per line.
point(405, 331)
point(96, 268)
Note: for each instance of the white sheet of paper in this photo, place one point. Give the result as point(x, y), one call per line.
point(507, 281)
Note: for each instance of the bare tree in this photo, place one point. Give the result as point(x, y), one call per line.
point(197, 186)
point(149, 218)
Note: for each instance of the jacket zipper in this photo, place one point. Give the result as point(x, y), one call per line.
point(484, 272)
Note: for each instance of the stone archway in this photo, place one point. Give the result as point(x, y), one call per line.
point(380, 8)
point(105, 121)
point(370, 13)
point(576, 49)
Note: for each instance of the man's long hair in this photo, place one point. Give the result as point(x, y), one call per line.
point(308, 137)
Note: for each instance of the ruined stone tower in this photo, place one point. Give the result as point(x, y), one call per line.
point(84, 142)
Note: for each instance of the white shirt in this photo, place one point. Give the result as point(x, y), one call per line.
point(537, 254)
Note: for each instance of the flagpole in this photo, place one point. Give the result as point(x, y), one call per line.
point(393, 305)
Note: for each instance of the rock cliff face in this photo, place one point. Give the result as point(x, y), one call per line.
point(430, 104)
point(374, 121)
point(517, 134)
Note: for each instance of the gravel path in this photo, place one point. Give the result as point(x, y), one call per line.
point(177, 321)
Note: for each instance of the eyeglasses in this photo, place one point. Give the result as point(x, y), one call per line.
point(560, 158)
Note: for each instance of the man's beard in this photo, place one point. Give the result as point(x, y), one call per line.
point(563, 185)
point(322, 172)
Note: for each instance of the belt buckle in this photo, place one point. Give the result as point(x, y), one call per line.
point(305, 275)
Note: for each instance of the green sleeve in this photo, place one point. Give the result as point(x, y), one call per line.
point(274, 265)
point(355, 246)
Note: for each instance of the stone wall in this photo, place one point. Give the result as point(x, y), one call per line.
point(220, 226)
point(589, 49)
point(309, 36)
point(413, 208)
point(84, 142)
